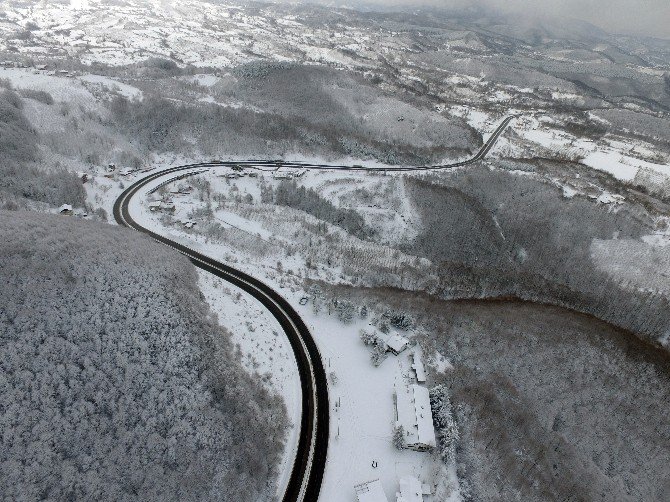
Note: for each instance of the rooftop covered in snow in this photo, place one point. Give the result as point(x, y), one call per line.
point(370, 491)
point(413, 413)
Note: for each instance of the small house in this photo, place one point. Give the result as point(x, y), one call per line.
point(396, 344)
point(65, 209)
point(161, 206)
point(371, 491)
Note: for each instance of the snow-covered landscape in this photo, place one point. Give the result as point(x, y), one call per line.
point(426, 253)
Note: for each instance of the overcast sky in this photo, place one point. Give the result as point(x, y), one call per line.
point(645, 17)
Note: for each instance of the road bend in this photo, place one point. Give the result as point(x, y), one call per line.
point(310, 460)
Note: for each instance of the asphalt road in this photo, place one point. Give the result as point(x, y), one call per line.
point(309, 465)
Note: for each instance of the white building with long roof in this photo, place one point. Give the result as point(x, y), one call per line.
point(413, 413)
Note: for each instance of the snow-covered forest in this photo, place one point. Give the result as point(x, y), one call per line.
point(117, 382)
point(20, 176)
point(534, 285)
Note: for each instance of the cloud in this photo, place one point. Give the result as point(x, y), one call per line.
point(639, 17)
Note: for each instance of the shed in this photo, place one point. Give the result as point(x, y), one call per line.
point(397, 343)
point(65, 209)
point(370, 491)
point(418, 368)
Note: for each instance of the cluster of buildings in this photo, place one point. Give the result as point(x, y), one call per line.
point(37, 68)
point(414, 418)
point(412, 400)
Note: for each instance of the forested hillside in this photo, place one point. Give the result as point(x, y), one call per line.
point(117, 383)
point(20, 178)
point(493, 233)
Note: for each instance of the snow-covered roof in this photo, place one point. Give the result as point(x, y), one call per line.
point(155, 203)
point(410, 490)
point(65, 207)
point(371, 491)
point(417, 366)
point(397, 343)
point(415, 415)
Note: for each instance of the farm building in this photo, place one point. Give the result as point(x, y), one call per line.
point(413, 413)
point(371, 491)
point(396, 344)
point(418, 368)
point(410, 490)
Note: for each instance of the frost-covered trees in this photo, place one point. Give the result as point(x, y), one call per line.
point(377, 345)
point(116, 382)
point(398, 319)
point(289, 193)
point(345, 311)
point(19, 156)
point(476, 223)
point(445, 425)
point(369, 339)
point(398, 438)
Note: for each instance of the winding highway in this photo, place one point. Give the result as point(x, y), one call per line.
point(310, 461)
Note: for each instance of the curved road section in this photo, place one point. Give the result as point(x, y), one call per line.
point(310, 461)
